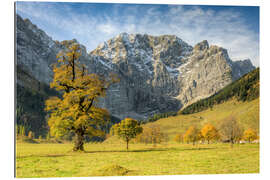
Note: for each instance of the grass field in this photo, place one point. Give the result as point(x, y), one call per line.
point(57, 160)
point(110, 157)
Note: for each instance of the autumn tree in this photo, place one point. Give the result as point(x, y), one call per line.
point(152, 135)
point(76, 110)
point(179, 138)
point(192, 135)
point(209, 132)
point(250, 135)
point(230, 129)
point(127, 129)
point(31, 135)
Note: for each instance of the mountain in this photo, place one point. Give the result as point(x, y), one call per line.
point(157, 73)
point(164, 73)
point(246, 88)
point(240, 99)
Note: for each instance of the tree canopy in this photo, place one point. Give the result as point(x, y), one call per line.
point(152, 135)
point(230, 129)
point(127, 129)
point(209, 132)
point(192, 135)
point(250, 135)
point(76, 111)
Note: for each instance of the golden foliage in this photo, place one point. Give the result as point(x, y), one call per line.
point(179, 138)
point(250, 135)
point(192, 135)
point(209, 132)
point(127, 129)
point(152, 135)
point(76, 110)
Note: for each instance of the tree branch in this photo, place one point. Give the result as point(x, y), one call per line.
point(90, 105)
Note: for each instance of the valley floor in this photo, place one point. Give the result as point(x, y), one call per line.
point(104, 159)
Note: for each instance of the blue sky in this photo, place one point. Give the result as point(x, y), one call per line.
point(235, 28)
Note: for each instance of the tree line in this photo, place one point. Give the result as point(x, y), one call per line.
point(156, 117)
point(228, 131)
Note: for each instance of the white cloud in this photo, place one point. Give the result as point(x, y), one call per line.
point(107, 28)
point(225, 28)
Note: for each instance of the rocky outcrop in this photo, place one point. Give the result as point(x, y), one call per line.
point(157, 73)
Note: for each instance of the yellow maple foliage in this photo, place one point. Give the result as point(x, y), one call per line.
point(76, 111)
point(250, 135)
point(209, 132)
point(192, 135)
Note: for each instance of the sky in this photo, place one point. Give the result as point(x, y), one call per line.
point(235, 28)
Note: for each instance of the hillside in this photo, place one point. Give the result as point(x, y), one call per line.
point(247, 114)
point(244, 89)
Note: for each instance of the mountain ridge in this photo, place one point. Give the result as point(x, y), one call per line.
point(157, 73)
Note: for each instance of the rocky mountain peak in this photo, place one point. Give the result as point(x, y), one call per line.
point(201, 46)
point(157, 73)
point(168, 48)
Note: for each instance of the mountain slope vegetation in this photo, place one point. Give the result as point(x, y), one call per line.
point(244, 89)
point(246, 113)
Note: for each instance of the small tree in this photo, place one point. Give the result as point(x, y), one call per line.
point(192, 135)
point(230, 129)
point(209, 132)
point(30, 135)
point(127, 129)
point(152, 135)
point(250, 135)
point(179, 138)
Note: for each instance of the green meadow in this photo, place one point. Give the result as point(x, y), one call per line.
point(103, 159)
point(110, 157)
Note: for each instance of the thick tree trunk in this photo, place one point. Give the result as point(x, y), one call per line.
point(78, 144)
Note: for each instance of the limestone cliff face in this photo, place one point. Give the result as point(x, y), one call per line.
point(36, 51)
point(167, 68)
point(157, 73)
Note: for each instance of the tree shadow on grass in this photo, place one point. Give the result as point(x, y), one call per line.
point(193, 149)
point(46, 155)
point(121, 151)
point(124, 151)
point(151, 150)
